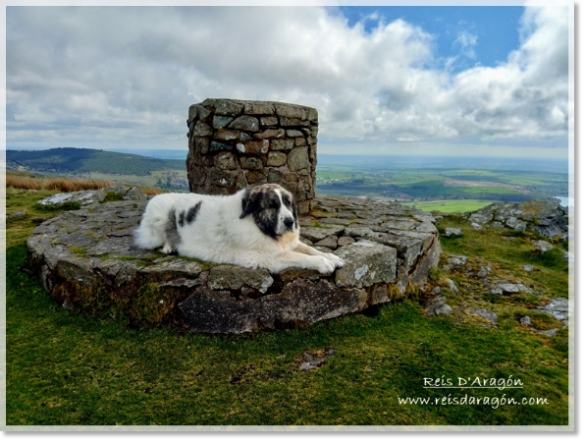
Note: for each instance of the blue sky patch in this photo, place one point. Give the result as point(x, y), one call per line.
point(482, 35)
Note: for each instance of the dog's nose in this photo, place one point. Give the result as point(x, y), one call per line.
point(289, 222)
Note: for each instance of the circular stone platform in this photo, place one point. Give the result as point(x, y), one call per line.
point(86, 261)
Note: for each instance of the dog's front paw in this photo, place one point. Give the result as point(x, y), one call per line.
point(323, 265)
point(335, 260)
point(167, 249)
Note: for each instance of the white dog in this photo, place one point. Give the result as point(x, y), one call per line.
point(255, 227)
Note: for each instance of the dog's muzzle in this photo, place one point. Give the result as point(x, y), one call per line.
point(289, 223)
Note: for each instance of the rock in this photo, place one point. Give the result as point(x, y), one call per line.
point(552, 333)
point(486, 314)
point(366, 263)
point(558, 308)
point(507, 288)
point(525, 320)
point(338, 221)
point(82, 197)
point(221, 122)
point(476, 226)
point(528, 268)
point(312, 361)
point(298, 159)
point(452, 286)
point(543, 246)
point(345, 241)
point(233, 277)
point(516, 224)
point(276, 159)
point(483, 272)
point(547, 218)
point(317, 234)
point(16, 215)
point(493, 290)
point(438, 306)
point(87, 197)
point(330, 242)
point(458, 260)
point(451, 231)
point(300, 302)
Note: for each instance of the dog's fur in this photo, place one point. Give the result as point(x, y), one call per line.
point(255, 227)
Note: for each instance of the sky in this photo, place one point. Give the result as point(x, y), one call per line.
point(469, 80)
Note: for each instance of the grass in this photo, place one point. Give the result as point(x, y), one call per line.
point(19, 180)
point(450, 206)
point(511, 250)
point(65, 368)
point(23, 181)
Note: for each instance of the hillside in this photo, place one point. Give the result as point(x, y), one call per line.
point(69, 368)
point(71, 160)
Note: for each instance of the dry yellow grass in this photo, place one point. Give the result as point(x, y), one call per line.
point(19, 181)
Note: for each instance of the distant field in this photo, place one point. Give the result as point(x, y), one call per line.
point(450, 206)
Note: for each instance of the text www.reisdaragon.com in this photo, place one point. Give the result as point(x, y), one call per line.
point(466, 400)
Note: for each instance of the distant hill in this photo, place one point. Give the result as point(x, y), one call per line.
point(73, 160)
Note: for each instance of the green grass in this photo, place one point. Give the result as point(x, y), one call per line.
point(66, 368)
point(510, 254)
point(450, 206)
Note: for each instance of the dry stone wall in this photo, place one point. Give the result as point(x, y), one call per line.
point(234, 144)
point(86, 261)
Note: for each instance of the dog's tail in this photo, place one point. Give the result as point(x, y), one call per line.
point(151, 233)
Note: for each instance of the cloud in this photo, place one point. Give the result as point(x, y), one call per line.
point(112, 76)
point(466, 41)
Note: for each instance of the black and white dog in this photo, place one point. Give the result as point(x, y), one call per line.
point(255, 227)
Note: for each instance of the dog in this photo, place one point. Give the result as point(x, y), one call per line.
point(255, 227)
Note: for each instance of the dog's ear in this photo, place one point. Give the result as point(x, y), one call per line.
point(250, 203)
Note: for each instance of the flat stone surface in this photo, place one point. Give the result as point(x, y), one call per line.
point(366, 263)
point(86, 261)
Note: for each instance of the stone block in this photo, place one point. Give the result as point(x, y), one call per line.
point(366, 263)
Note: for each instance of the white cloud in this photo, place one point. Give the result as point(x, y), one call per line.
point(466, 41)
point(77, 76)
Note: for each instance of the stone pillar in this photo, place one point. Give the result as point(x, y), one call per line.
point(234, 144)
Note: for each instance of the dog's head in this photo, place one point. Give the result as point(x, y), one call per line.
point(273, 208)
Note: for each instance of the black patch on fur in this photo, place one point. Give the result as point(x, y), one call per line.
point(192, 213)
point(171, 233)
point(182, 219)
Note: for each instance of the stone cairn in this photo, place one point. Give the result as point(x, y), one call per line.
point(234, 144)
point(86, 261)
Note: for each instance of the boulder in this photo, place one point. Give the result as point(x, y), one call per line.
point(558, 308)
point(543, 246)
point(438, 306)
point(452, 231)
point(366, 263)
point(486, 314)
point(547, 218)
